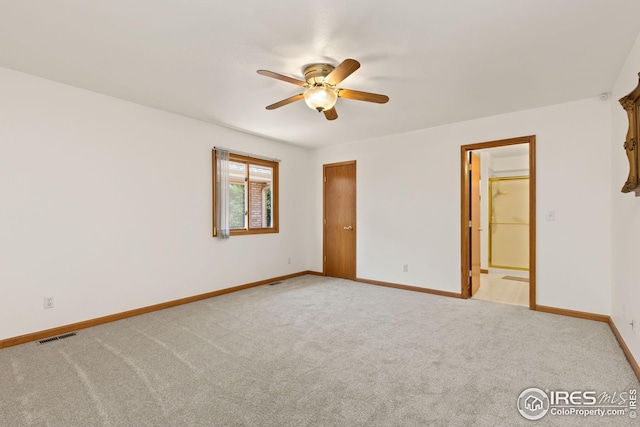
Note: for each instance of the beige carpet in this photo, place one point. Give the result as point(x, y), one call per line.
point(313, 351)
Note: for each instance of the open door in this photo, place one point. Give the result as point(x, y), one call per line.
point(474, 223)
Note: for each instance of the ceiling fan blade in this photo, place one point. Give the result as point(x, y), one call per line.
point(363, 96)
point(331, 114)
point(289, 100)
point(281, 77)
point(342, 71)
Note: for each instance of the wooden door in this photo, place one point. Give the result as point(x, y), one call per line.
point(340, 220)
point(474, 222)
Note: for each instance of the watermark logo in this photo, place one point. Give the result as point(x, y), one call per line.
point(533, 403)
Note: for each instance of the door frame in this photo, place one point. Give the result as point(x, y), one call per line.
point(464, 210)
point(324, 215)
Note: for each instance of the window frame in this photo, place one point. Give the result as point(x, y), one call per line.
point(275, 215)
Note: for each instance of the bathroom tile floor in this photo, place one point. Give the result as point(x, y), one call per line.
point(494, 288)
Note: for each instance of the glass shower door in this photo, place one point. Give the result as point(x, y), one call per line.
point(509, 223)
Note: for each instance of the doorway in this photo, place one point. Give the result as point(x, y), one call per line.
point(339, 212)
point(471, 227)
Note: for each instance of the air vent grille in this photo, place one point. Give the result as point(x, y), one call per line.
point(59, 337)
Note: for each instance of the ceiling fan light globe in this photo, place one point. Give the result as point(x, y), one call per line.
point(320, 98)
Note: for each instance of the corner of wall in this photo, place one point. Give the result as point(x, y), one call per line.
point(625, 217)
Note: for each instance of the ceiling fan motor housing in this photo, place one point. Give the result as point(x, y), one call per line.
point(316, 73)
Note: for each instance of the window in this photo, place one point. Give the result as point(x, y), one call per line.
point(253, 195)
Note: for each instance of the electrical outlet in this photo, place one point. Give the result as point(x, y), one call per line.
point(48, 302)
point(405, 268)
point(289, 260)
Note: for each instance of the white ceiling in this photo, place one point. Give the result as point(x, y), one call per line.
point(439, 61)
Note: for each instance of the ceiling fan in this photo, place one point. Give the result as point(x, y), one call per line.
point(320, 91)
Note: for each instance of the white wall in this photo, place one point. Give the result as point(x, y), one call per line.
point(408, 202)
point(106, 206)
point(625, 281)
point(510, 166)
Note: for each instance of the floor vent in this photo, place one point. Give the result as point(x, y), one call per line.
point(59, 337)
point(274, 283)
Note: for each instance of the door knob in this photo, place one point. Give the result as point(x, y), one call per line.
point(348, 228)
